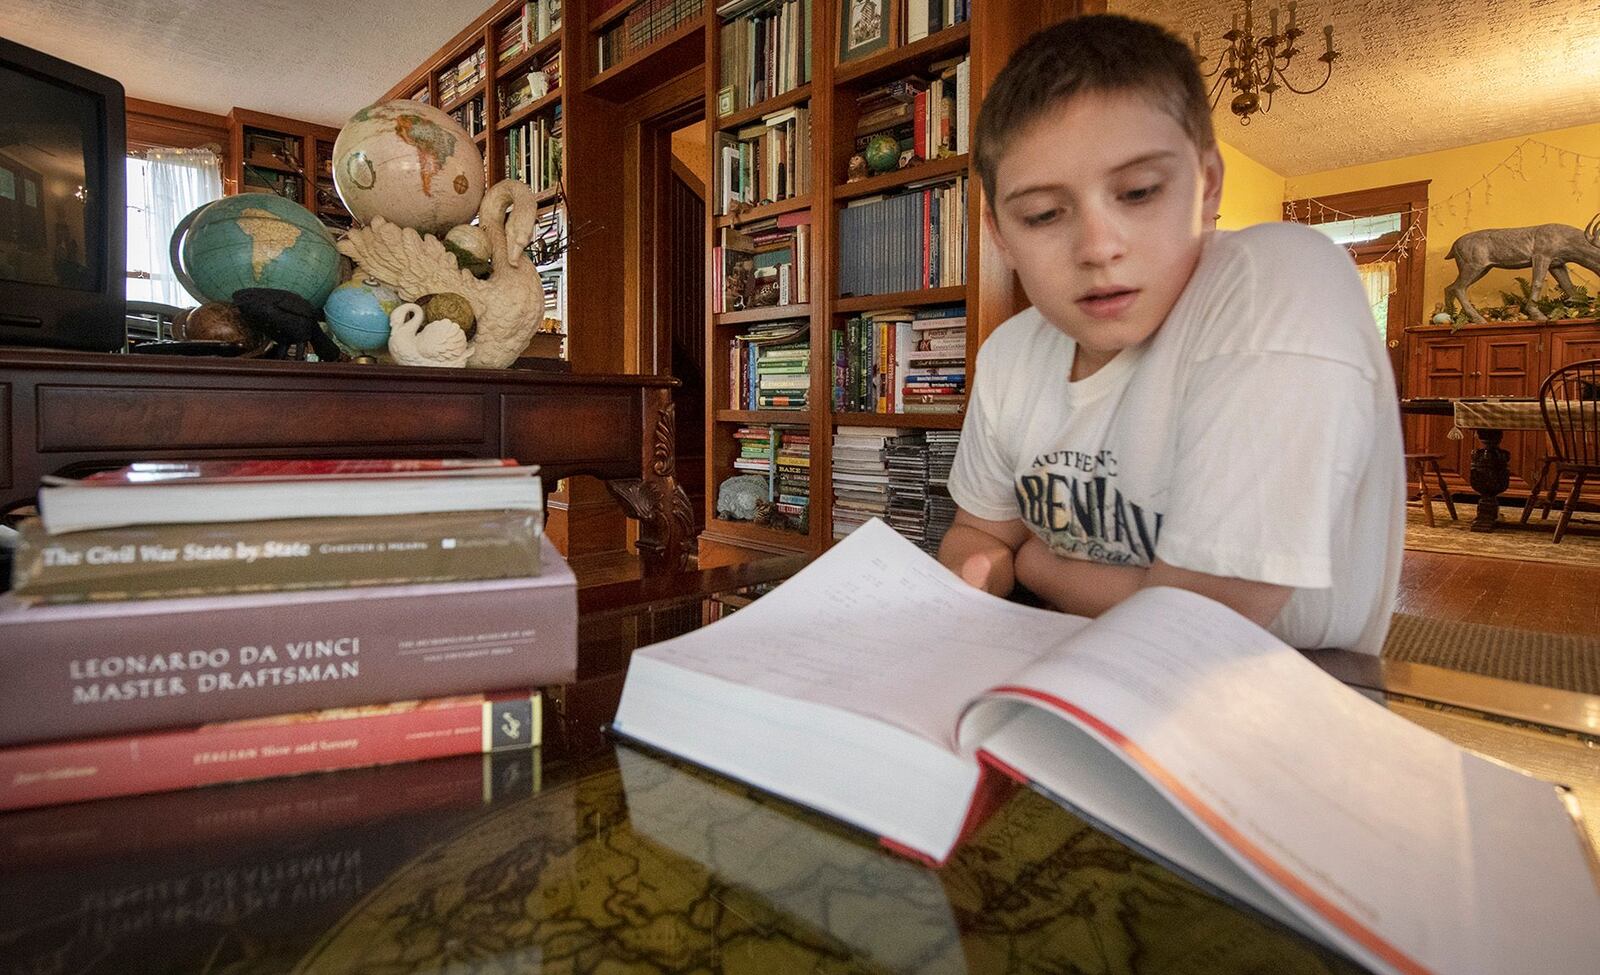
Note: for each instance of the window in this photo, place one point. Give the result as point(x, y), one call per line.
point(163, 187)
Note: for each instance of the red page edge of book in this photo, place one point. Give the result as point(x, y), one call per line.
point(1357, 931)
point(997, 783)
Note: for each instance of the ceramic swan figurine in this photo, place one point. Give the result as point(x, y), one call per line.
point(508, 304)
point(414, 342)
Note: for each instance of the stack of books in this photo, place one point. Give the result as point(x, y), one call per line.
point(930, 117)
point(782, 454)
point(942, 446)
point(469, 115)
point(907, 459)
point(646, 22)
point(457, 81)
point(898, 361)
point(860, 476)
point(174, 625)
point(764, 51)
point(904, 242)
point(538, 20)
point(765, 162)
point(933, 377)
point(766, 373)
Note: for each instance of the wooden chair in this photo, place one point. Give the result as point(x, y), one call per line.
point(1569, 398)
point(1418, 466)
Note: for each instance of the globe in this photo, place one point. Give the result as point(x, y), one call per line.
point(357, 313)
point(254, 240)
point(882, 153)
point(409, 163)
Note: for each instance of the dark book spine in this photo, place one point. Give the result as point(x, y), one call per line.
point(163, 561)
point(114, 668)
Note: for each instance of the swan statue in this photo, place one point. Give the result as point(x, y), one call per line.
point(414, 341)
point(508, 304)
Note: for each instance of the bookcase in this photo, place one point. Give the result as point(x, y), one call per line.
point(874, 256)
point(294, 159)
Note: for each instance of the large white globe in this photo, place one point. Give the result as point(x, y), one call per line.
point(409, 163)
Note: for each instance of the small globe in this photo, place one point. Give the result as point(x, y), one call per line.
point(882, 153)
point(357, 313)
point(254, 240)
point(409, 163)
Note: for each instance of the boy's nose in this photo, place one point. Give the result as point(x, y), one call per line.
point(1100, 239)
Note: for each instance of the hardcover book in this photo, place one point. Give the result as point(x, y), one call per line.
point(258, 490)
point(891, 701)
point(113, 668)
point(163, 561)
point(260, 748)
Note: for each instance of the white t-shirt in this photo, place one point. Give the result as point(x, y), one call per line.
point(1255, 435)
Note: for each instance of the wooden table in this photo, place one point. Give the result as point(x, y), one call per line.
point(73, 413)
point(1491, 464)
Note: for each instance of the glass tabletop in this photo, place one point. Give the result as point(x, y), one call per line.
point(588, 855)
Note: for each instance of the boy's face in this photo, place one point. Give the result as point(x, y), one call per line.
point(1101, 206)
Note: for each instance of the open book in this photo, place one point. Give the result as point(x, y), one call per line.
point(878, 688)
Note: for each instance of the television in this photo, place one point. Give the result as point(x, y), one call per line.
point(63, 226)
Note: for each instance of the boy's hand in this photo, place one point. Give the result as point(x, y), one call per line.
point(981, 552)
point(1075, 585)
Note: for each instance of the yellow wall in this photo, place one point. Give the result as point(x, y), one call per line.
point(1548, 195)
point(1251, 193)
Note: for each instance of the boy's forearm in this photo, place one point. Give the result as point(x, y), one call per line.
point(981, 559)
point(1075, 585)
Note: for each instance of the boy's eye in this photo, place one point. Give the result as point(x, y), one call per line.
point(1141, 194)
point(1042, 217)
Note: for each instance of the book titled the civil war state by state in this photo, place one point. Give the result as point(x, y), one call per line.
point(113, 668)
point(156, 561)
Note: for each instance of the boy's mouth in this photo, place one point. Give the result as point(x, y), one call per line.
point(1107, 302)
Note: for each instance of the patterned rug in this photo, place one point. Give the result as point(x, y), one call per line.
point(1562, 661)
point(1529, 543)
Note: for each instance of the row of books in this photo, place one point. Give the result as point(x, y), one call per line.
point(765, 162)
point(782, 454)
point(470, 115)
point(899, 361)
point(172, 625)
point(896, 475)
point(459, 79)
point(765, 51)
point(537, 20)
point(924, 17)
point(904, 242)
point(930, 117)
point(645, 22)
point(765, 263)
point(533, 150)
point(766, 372)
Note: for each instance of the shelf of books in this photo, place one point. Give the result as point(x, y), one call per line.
point(843, 182)
point(640, 43)
point(287, 157)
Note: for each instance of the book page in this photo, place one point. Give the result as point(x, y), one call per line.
point(876, 627)
point(1401, 848)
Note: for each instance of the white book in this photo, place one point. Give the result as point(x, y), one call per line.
point(1183, 728)
point(963, 105)
point(916, 20)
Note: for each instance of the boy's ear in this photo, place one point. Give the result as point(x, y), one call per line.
point(999, 239)
point(1211, 170)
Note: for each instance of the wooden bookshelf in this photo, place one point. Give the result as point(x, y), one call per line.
point(829, 94)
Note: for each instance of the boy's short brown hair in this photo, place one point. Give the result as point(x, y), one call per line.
point(1097, 53)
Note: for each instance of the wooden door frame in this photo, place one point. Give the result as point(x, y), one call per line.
point(655, 170)
point(1410, 200)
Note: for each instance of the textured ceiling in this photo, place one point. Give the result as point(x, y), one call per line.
point(1415, 76)
point(318, 60)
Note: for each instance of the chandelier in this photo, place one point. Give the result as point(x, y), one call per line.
point(1253, 67)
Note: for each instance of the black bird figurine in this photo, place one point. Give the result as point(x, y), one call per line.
point(287, 318)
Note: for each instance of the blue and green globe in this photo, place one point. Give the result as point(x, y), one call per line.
point(254, 240)
point(357, 313)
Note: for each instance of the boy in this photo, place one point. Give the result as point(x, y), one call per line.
point(1181, 406)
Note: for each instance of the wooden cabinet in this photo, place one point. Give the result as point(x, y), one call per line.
point(1488, 360)
point(294, 159)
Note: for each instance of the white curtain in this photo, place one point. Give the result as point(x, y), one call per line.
point(1378, 279)
point(176, 182)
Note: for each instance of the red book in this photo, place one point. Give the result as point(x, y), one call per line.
point(261, 748)
point(919, 124)
point(258, 490)
point(113, 668)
